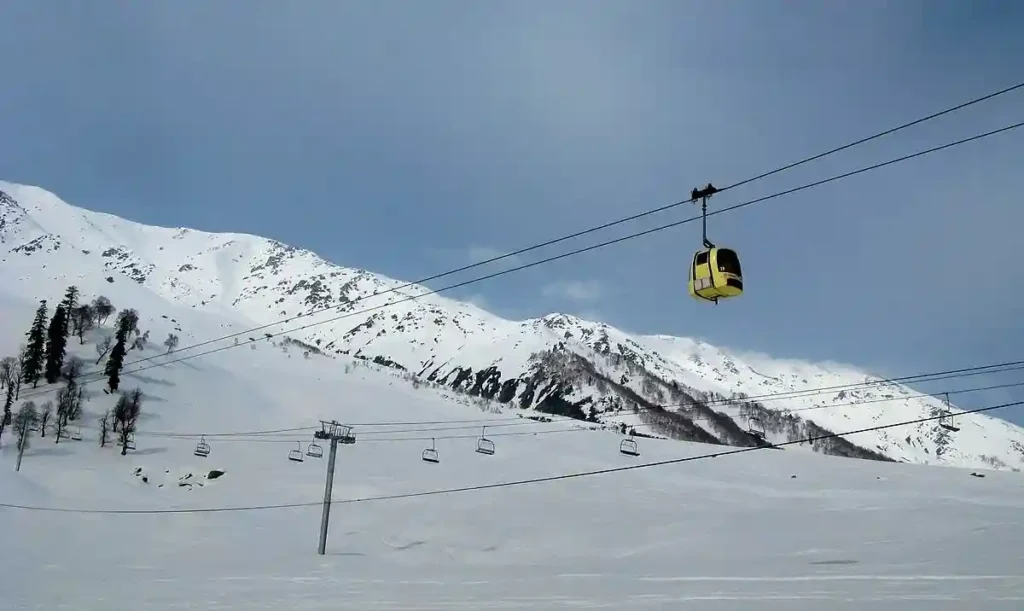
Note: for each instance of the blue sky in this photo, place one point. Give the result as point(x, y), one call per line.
point(411, 137)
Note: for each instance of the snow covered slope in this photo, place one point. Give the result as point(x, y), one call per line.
point(559, 364)
point(773, 530)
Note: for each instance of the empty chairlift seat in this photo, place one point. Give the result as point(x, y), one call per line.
point(628, 446)
point(202, 448)
point(430, 454)
point(946, 420)
point(484, 445)
point(296, 455)
point(756, 428)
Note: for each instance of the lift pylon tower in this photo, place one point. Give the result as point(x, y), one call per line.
point(334, 432)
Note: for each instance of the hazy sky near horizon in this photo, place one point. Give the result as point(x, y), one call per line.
point(409, 138)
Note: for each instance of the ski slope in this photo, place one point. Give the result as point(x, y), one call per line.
point(233, 282)
point(766, 529)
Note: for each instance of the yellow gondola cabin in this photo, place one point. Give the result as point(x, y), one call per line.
point(715, 274)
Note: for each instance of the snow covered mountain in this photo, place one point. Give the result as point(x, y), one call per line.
point(558, 364)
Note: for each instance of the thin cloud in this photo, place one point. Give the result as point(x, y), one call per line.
point(576, 290)
point(476, 254)
point(478, 300)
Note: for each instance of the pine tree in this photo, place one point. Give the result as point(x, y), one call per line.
point(70, 303)
point(125, 325)
point(114, 362)
point(56, 344)
point(35, 352)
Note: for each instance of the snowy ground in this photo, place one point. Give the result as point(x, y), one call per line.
point(735, 532)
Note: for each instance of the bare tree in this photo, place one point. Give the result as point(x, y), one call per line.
point(103, 347)
point(102, 308)
point(140, 342)
point(5, 416)
point(44, 417)
point(83, 318)
point(126, 414)
point(7, 366)
point(20, 377)
point(72, 369)
point(104, 428)
point(10, 377)
point(172, 342)
point(65, 405)
point(24, 420)
point(119, 408)
point(77, 397)
point(128, 318)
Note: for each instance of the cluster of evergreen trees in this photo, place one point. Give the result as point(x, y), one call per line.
point(44, 357)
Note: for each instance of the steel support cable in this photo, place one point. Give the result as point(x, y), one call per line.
point(963, 372)
point(570, 253)
point(579, 425)
point(509, 484)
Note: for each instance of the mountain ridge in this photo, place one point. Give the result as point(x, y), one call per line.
point(558, 363)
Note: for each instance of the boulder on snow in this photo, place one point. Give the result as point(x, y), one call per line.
point(214, 474)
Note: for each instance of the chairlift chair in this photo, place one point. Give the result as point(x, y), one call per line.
point(314, 450)
point(296, 455)
point(628, 446)
point(755, 427)
point(76, 435)
point(333, 430)
point(202, 448)
point(430, 454)
point(130, 444)
point(347, 435)
point(484, 445)
point(64, 434)
point(946, 421)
